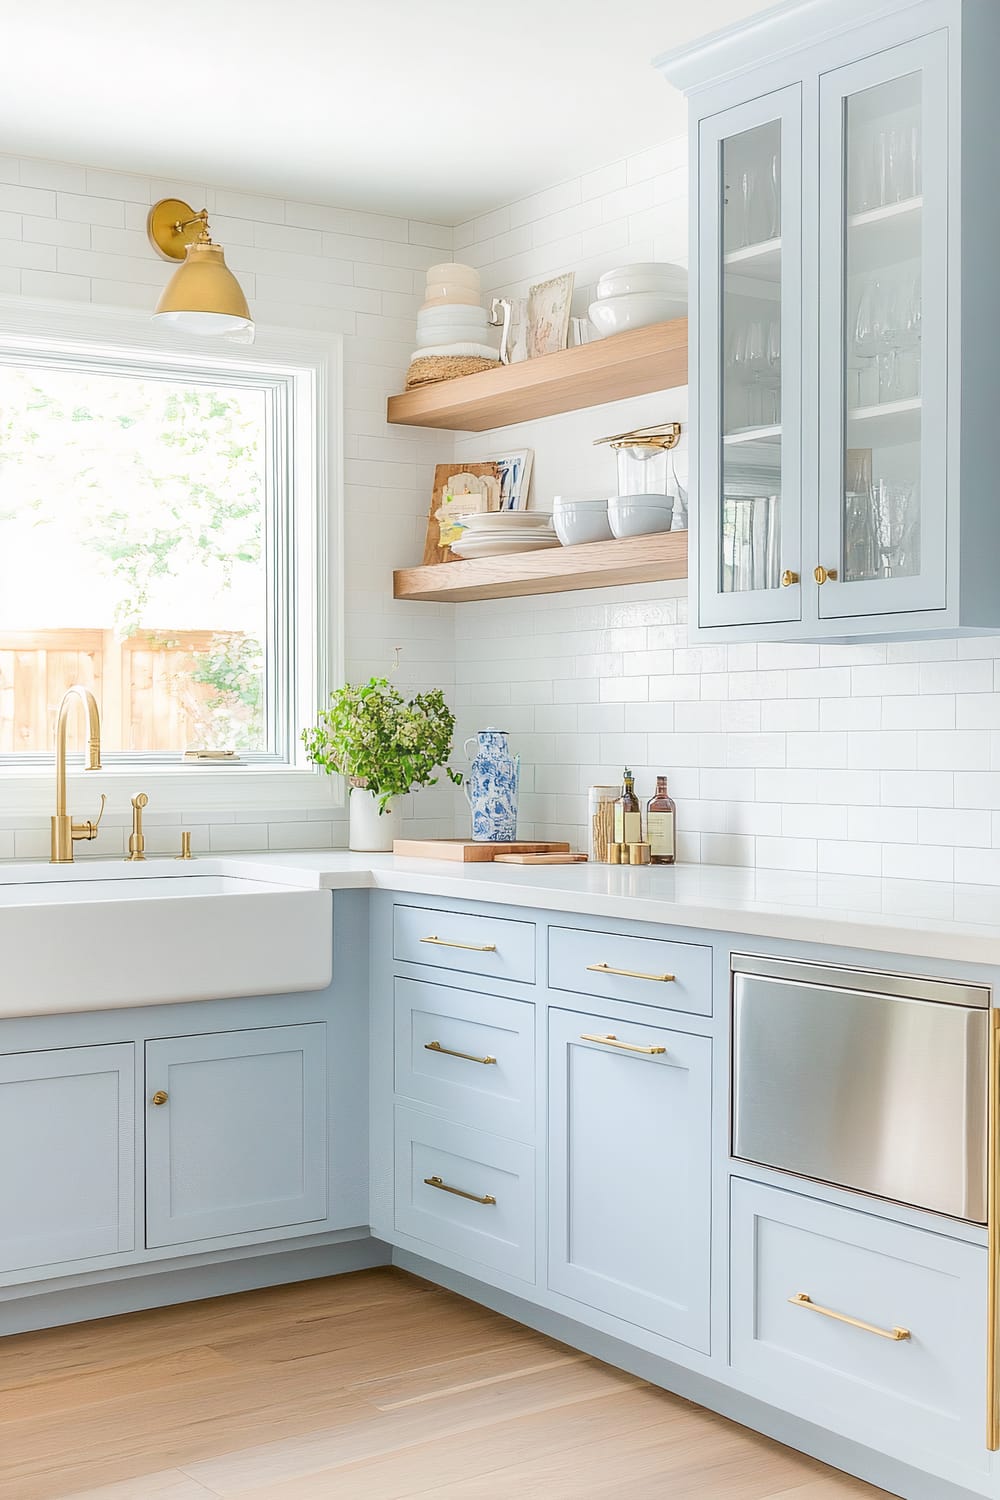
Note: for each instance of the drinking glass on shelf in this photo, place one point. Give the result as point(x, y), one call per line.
point(748, 204)
point(897, 518)
point(774, 196)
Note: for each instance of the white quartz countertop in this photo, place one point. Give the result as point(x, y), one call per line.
point(928, 919)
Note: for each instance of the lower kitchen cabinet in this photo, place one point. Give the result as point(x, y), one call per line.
point(874, 1329)
point(67, 1162)
point(630, 1170)
point(235, 1132)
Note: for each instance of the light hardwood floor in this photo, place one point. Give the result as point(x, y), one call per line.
point(374, 1386)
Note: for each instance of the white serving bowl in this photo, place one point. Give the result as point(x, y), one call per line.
point(636, 310)
point(648, 276)
point(453, 312)
point(577, 521)
point(432, 338)
point(639, 515)
point(450, 294)
point(453, 270)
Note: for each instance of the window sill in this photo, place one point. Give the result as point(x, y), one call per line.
point(176, 788)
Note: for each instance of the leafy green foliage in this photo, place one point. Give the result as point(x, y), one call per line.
point(378, 740)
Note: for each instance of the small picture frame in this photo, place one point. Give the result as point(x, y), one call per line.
point(514, 472)
point(549, 306)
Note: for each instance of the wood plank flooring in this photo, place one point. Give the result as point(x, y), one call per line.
point(373, 1386)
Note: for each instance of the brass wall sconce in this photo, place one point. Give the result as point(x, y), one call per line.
point(203, 296)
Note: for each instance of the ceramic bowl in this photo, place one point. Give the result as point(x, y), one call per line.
point(636, 310)
point(433, 338)
point(452, 312)
point(668, 280)
point(450, 293)
point(453, 271)
point(639, 515)
point(577, 521)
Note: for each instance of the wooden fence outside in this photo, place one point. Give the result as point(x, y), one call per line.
point(142, 683)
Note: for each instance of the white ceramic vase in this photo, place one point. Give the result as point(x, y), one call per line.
point(371, 831)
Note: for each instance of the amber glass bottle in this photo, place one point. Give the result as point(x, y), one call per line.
point(628, 814)
point(661, 826)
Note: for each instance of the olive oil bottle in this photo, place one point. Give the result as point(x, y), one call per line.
point(661, 825)
point(628, 814)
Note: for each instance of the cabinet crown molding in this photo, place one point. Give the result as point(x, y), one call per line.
point(766, 37)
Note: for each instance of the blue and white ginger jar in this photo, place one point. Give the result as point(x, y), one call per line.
point(491, 787)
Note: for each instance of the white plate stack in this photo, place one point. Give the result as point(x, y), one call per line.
point(452, 320)
point(493, 533)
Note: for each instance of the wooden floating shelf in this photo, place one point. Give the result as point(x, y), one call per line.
point(551, 570)
point(626, 364)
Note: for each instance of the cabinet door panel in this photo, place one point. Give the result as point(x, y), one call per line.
point(749, 361)
point(630, 1172)
point(883, 332)
point(67, 1179)
point(239, 1144)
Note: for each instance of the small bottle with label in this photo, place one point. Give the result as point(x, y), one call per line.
point(628, 814)
point(661, 826)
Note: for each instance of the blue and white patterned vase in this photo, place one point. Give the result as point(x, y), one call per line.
point(491, 787)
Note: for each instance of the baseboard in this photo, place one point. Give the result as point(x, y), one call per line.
point(841, 1453)
point(163, 1286)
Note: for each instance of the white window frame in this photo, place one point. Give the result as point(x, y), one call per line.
point(310, 369)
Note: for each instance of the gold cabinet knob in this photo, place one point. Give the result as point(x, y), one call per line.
point(160, 1097)
point(821, 574)
point(788, 578)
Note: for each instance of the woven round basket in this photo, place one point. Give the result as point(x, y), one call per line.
point(445, 367)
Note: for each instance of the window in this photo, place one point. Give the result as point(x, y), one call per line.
point(163, 526)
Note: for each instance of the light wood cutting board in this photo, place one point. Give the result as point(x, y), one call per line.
point(468, 852)
point(540, 859)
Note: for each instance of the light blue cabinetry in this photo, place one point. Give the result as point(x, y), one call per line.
point(630, 1169)
point(840, 308)
point(889, 1347)
point(66, 1158)
point(239, 1142)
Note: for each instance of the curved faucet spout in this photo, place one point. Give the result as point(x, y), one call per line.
point(64, 831)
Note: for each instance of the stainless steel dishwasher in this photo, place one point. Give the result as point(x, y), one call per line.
point(877, 1082)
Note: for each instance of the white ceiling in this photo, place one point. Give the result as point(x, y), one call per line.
point(437, 110)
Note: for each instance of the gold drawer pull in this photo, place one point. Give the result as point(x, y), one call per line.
point(449, 1052)
point(610, 1040)
point(472, 947)
point(802, 1299)
point(436, 1182)
point(630, 973)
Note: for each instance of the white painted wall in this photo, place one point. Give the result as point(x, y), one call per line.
point(71, 232)
point(863, 760)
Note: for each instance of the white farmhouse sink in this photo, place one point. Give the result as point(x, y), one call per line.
point(101, 937)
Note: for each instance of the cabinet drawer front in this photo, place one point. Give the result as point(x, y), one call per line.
point(650, 971)
point(630, 1131)
point(856, 1372)
point(235, 1132)
point(468, 1056)
point(444, 1171)
point(495, 947)
point(67, 1188)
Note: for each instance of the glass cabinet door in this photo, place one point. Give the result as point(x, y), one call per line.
point(750, 363)
point(883, 333)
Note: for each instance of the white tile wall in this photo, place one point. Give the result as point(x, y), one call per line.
point(71, 232)
point(857, 760)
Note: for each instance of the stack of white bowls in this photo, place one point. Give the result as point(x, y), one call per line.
point(633, 296)
point(452, 320)
point(580, 520)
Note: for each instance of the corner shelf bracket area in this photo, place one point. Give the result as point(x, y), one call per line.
point(635, 363)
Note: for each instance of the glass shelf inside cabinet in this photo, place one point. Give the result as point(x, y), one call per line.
point(883, 315)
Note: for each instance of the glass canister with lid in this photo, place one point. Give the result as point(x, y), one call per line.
point(601, 822)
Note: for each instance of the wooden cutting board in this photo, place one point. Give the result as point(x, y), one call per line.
point(433, 551)
point(540, 859)
point(471, 853)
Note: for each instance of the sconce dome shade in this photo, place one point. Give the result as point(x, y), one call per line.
point(203, 296)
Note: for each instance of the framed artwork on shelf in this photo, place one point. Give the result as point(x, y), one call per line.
point(514, 472)
point(548, 315)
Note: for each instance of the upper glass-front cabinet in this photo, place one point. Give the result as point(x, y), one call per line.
point(842, 299)
point(751, 360)
point(883, 334)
